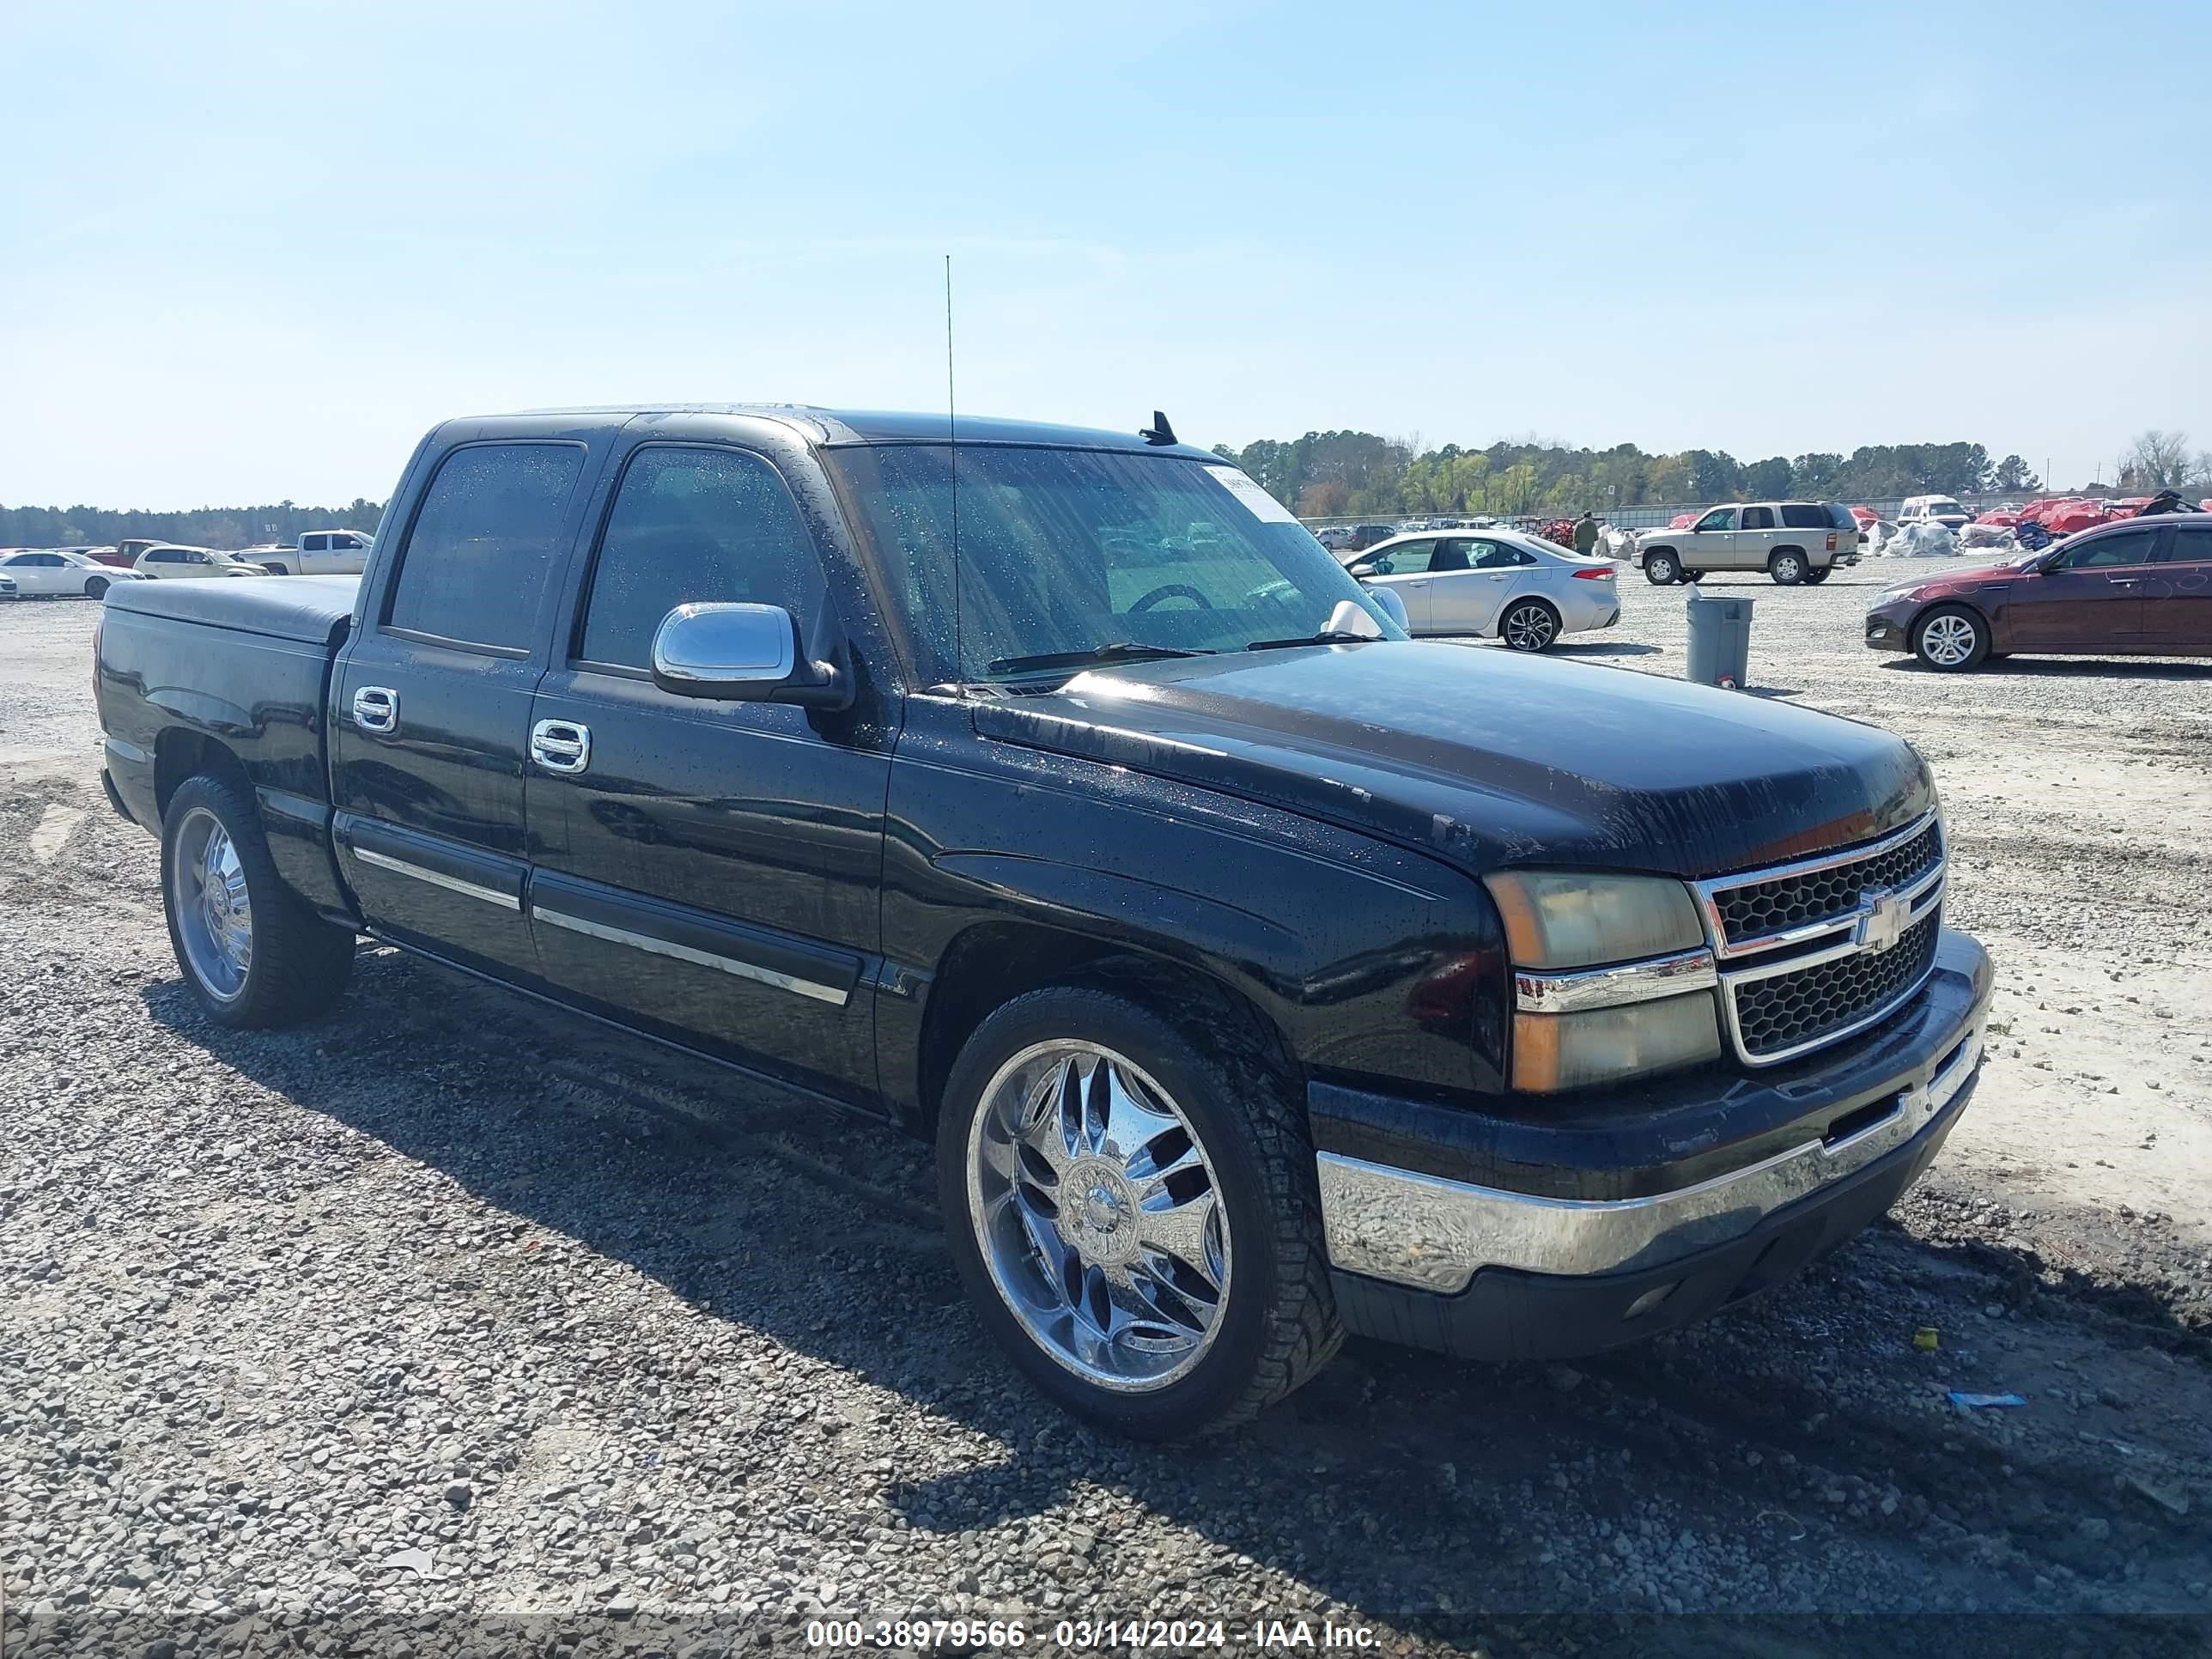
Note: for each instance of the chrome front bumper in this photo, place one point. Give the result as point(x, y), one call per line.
point(1431, 1234)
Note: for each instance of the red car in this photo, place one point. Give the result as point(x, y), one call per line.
point(2135, 587)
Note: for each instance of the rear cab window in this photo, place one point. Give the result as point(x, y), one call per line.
point(484, 545)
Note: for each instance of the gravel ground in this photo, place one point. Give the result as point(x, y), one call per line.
point(382, 1336)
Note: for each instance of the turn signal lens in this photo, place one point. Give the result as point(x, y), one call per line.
point(1552, 1052)
point(1563, 920)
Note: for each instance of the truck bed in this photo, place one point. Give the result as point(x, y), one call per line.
point(314, 610)
point(242, 665)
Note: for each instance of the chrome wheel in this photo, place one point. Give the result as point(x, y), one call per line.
point(1529, 627)
point(214, 912)
point(1948, 642)
point(1098, 1216)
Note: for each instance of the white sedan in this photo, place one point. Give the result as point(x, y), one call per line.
point(1497, 583)
point(52, 572)
point(168, 560)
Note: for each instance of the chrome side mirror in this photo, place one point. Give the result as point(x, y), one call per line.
point(743, 653)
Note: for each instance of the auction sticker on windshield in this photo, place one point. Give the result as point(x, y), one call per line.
point(1264, 506)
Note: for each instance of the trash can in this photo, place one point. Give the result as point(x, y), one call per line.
point(1720, 641)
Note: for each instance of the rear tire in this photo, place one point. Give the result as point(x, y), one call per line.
point(1529, 625)
point(252, 954)
point(1951, 639)
point(1038, 1189)
point(1661, 569)
point(1787, 567)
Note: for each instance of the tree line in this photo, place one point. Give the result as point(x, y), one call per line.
point(228, 527)
point(1349, 474)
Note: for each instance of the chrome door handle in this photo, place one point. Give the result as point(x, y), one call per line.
point(561, 745)
point(376, 708)
point(2122, 581)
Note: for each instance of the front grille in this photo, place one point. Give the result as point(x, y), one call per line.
point(1768, 906)
point(1788, 1010)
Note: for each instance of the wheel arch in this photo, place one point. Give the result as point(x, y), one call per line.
point(1559, 617)
point(1912, 626)
point(180, 753)
point(991, 963)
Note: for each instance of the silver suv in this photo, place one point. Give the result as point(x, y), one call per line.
point(1793, 542)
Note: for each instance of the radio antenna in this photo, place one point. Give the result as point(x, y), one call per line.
point(952, 469)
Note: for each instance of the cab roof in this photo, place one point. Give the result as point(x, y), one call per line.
point(831, 428)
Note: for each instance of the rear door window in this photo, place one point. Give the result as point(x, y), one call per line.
point(1758, 518)
point(485, 544)
point(2191, 544)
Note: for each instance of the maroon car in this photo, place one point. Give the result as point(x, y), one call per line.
point(2136, 587)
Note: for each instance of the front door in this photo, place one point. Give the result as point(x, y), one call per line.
point(1403, 568)
point(2178, 594)
point(2092, 600)
point(1711, 545)
point(709, 870)
point(430, 703)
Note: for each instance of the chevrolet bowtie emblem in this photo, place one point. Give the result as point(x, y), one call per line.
point(1883, 919)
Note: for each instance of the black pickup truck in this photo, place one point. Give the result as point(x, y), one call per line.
point(1258, 973)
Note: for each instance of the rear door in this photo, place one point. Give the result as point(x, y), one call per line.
point(430, 700)
point(2177, 593)
point(2092, 601)
point(1756, 536)
point(1496, 571)
point(710, 870)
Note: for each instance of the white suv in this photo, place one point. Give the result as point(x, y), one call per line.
point(1793, 542)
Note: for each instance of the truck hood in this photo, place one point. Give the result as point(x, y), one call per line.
point(1487, 759)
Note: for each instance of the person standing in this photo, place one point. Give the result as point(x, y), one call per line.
point(1585, 533)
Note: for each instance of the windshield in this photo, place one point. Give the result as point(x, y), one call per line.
point(1064, 551)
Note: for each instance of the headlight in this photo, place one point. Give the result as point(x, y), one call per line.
point(1578, 920)
point(1612, 978)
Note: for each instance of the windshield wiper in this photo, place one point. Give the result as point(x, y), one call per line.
point(1123, 651)
point(1326, 637)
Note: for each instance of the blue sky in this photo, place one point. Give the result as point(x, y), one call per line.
point(252, 251)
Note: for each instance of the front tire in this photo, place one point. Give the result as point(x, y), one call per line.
point(1132, 1206)
point(95, 587)
point(1788, 568)
point(1661, 569)
point(1529, 625)
point(252, 955)
point(1951, 639)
